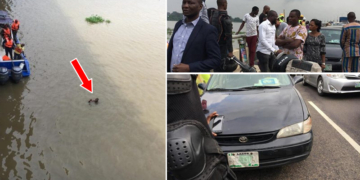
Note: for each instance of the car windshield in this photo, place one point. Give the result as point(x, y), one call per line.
point(332, 36)
point(247, 81)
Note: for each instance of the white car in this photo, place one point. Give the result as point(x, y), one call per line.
point(333, 83)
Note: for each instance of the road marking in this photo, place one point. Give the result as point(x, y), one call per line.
point(343, 133)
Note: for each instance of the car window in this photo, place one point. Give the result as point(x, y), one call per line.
point(331, 36)
point(338, 24)
point(230, 81)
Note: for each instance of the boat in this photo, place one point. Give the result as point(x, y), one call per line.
point(13, 66)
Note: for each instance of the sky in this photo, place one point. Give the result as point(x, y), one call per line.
point(323, 10)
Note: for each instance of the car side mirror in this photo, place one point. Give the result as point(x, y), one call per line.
point(202, 86)
point(297, 79)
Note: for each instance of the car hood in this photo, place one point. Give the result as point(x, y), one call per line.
point(333, 51)
point(256, 111)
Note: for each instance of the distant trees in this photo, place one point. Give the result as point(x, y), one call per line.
point(237, 19)
point(174, 16)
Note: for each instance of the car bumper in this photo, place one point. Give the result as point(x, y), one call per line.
point(341, 86)
point(278, 152)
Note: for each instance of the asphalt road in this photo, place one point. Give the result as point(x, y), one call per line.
point(332, 156)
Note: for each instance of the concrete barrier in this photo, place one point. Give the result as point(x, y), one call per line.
point(303, 66)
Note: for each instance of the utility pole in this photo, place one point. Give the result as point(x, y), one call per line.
point(284, 15)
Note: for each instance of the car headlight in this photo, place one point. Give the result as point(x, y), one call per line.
point(336, 76)
point(295, 129)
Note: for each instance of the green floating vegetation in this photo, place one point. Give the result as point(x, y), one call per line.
point(96, 19)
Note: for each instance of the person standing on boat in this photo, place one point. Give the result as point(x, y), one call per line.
point(6, 32)
point(18, 50)
point(264, 14)
point(15, 27)
point(293, 37)
point(314, 48)
point(252, 32)
point(8, 44)
point(266, 48)
point(350, 42)
point(193, 46)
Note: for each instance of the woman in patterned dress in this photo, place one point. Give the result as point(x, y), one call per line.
point(314, 48)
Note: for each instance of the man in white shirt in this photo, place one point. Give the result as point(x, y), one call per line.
point(266, 48)
point(252, 24)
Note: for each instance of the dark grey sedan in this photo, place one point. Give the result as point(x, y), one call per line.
point(265, 120)
point(333, 49)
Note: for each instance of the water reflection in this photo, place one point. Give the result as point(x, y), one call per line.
point(16, 130)
point(6, 5)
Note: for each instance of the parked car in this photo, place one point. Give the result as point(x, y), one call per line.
point(337, 24)
point(333, 83)
point(333, 50)
point(266, 122)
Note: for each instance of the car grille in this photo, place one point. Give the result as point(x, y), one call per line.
point(353, 77)
point(347, 88)
point(233, 140)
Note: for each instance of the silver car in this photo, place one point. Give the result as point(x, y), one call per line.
point(333, 83)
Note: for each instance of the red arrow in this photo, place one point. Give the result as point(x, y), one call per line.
point(87, 83)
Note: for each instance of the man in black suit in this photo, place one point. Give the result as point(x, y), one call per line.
point(193, 46)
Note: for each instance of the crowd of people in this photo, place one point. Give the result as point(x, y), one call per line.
point(202, 41)
point(9, 42)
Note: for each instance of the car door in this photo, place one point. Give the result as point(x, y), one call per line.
point(313, 79)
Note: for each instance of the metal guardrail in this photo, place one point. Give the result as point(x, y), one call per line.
point(238, 36)
point(241, 38)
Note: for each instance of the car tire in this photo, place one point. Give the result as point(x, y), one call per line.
point(320, 87)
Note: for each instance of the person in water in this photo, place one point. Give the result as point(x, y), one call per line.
point(95, 100)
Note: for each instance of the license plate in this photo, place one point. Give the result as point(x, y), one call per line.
point(357, 85)
point(328, 67)
point(243, 159)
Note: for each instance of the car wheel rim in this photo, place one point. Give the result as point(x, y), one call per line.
point(320, 87)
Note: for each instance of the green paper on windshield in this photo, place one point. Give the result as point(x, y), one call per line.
point(268, 82)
